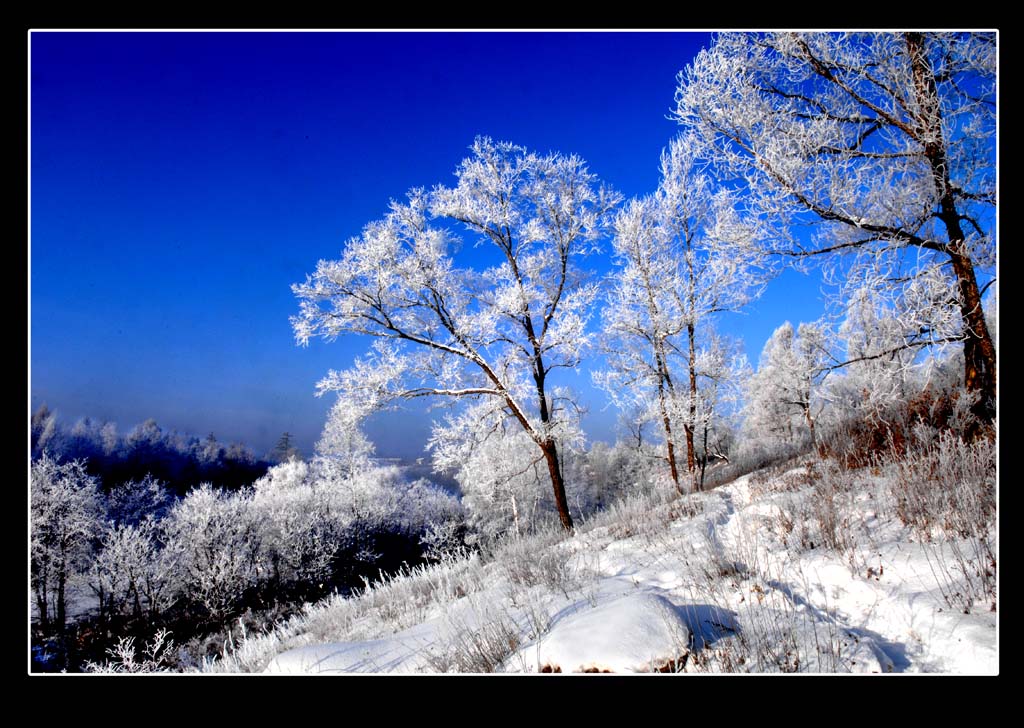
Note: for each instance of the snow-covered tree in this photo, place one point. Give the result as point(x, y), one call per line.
point(44, 428)
point(66, 518)
point(875, 372)
point(214, 538)
point(783, 397)
point(455, 332)
point(298, 534)
point(133, 574)
point(499, 471)
point(720, 368)
point(886, 143)
point(684, 257)
point(343, 439)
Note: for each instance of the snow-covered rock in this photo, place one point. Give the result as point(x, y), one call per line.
point(634, 633)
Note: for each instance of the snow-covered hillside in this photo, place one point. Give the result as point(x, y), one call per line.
point(807, 570)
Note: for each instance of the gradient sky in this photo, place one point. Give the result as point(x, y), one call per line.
point(181, 182)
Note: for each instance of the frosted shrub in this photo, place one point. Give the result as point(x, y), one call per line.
point(322, 523)
point(157, 655)
point(478, 644)
point(297, 538)
point(441, 540)
point(946, 493)
point(948, 485)
point(536, 560)
point(832, 507)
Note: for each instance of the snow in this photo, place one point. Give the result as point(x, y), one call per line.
point(713, 586)
point(635, 633)
point(385, 655)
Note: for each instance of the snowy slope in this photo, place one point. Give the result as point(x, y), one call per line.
point(720, 581)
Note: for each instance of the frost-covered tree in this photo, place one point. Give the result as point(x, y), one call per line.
point(66, 518)
point(133, 574)
point(886, 143)
point(343, 440)
point(783, 397)
point(450, 331)
point(44, 427)
point(683, 257)
point(875, 371)
point(214, 539)
point(720, 367)
point(298, 534)
point(285, 449)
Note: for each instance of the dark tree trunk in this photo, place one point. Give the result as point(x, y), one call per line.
point(44, 613)
point(555, 470)
point(671, 448)
point(979, 351)
point(550, 450)
point(61, 616)
point(704, 460)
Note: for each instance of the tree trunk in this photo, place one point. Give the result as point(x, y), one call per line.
point(515, 515)
point(551, 456)
point(671, 454)
point(691, 458)
point(61, 617)
point(669, 439)
point(548, 446)
point(44, 612)
point(810, 425)
point(704, 461)
point(979, 351)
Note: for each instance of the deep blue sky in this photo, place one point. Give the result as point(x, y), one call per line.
point(181, 182)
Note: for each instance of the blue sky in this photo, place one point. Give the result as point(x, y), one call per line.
point(181, 182)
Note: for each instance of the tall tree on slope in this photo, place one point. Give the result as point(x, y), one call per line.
point(886, 142)
point(454, 332)
point(684, 257)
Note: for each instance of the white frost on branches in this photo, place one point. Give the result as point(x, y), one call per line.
point(884, 144)
point(684, 256)
point(456, 332)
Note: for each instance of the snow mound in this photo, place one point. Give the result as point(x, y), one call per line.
point(635, 633)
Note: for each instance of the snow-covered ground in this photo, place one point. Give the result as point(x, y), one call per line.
point(766, 574)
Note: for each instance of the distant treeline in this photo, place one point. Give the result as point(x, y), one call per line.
point(180, 461)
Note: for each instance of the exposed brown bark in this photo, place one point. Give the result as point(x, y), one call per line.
point(669, 443)
point(664, 393)
point(547, 445)
point(979, 351)
point(550, 451)
point(704, 460)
